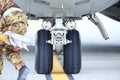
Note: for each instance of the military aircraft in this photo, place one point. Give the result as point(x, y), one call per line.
point(64, 37)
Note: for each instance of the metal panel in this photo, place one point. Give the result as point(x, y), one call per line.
point(61, 8)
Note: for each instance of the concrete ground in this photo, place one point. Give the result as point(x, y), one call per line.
point(98, 63)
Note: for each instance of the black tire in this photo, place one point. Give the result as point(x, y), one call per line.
point(72, 53)
point(44, 53)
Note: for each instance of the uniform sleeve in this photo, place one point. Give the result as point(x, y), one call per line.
point(15, 19)
point(1, 23)
point(18, 20)
point(5, 4)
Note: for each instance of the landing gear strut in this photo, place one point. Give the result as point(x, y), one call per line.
point(54, 38)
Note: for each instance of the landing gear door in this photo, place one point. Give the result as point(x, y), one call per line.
point(113, 11)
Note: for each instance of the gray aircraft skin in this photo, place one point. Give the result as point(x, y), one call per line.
point(66, 8)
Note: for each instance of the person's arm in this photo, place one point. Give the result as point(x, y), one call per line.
point(6, 4)
point(14, 18)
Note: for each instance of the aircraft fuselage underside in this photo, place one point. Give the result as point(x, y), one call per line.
point(63, 8)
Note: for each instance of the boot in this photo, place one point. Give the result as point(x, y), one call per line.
point(23, 72)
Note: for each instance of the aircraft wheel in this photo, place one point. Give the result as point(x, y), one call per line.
point(44, 53)
point(72, 53)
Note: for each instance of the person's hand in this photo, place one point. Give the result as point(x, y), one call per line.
point(15, 49)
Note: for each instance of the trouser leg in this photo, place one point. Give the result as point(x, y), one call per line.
point(1, 62)
point(15, 59)
point(1, 59)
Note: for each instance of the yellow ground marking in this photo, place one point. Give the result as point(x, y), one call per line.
point(58, 72)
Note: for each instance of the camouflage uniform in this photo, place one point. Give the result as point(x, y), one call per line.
point(16, 20)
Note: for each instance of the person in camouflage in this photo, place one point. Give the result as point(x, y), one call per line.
point(12, 19)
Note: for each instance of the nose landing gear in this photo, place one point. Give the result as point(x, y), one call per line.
point(52, 37)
